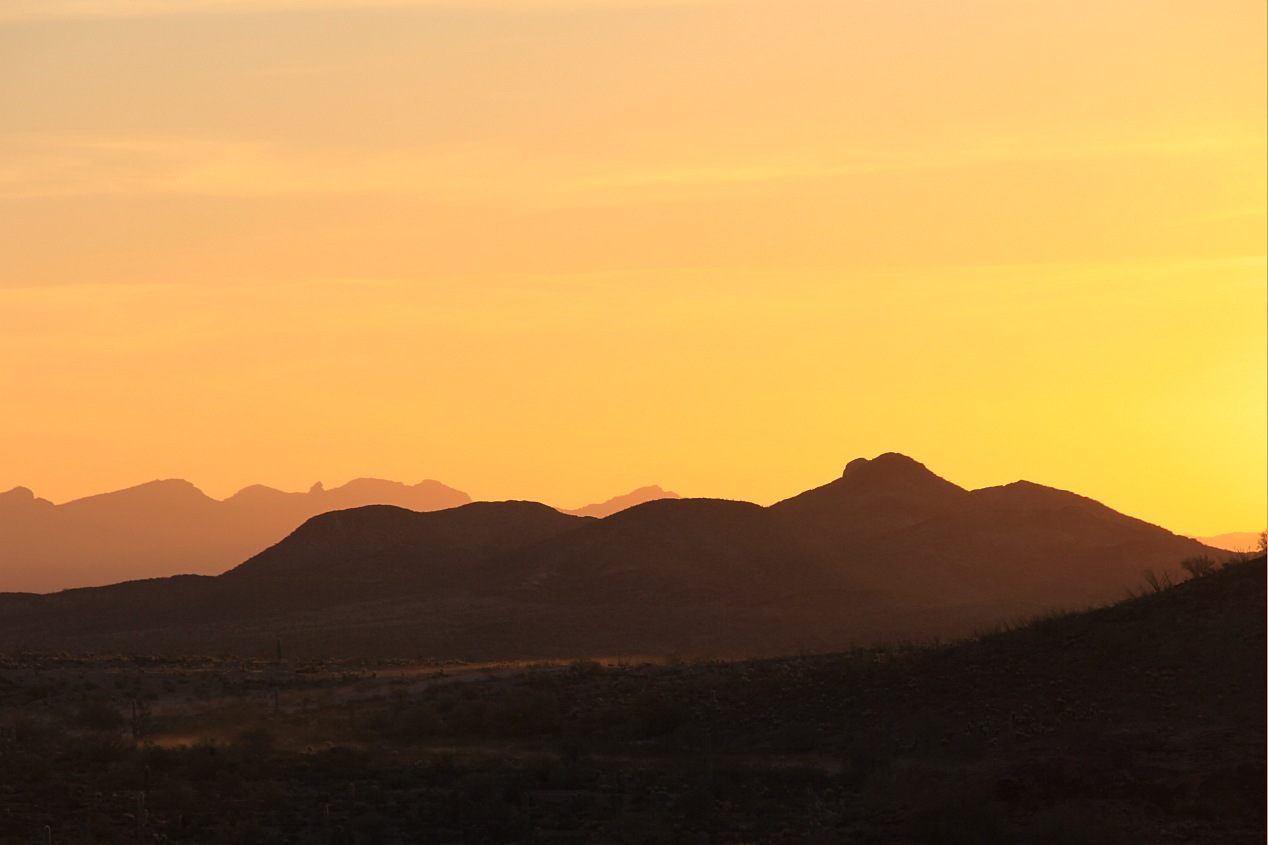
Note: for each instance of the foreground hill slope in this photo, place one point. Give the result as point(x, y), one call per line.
point(166, 527)
point(888, 550)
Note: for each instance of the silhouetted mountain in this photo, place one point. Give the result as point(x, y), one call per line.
point(905, 531)
point(667, 552)
point(620, 503)
point(380, 552)
point(166, 527)
point(870, 499)
point(889, 549)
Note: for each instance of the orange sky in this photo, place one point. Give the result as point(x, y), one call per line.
point(556, 249)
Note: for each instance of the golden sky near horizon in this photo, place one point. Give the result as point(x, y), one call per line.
point(556, 249)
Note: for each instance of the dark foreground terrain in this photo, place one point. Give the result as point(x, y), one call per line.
point(1141, 722)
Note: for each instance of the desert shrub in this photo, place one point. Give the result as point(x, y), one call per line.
point(256, 741)
point(96, 714)
point(416, 721)
point(1156, 582)
point(656, 716)
point(934, 735)
point(100, 749)
point(695, 802)
point(1198, 567)
point(865, 755)
point(27, 728)
point(527, 712)
point(573, 746)
point(796, 737)
point(1069, 825)
point(470, 718)
point(955, 815)
point(940, 806)
point(585, 667)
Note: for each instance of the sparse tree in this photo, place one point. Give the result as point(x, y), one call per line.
point(1261, 545)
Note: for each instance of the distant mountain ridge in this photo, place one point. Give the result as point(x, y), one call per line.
point(1234, 541)
point(617, 504)
point(170, 526)
point(889, 549)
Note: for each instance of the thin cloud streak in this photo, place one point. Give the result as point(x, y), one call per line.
point(49, 165)
point(19, 11)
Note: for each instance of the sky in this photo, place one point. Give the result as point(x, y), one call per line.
point(558, 249)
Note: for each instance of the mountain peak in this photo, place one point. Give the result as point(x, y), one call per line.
point(159, 487)
point(887, 465)
point(1029, 492)
point(21, 500)
point(887, 492)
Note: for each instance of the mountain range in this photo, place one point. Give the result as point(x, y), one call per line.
point(889, 549)
point(171, 527)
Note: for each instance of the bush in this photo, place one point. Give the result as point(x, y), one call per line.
point(417, 721)
point(95, 714)
point(1069, 825)
point(257, 741)
point(946, 808)
point(1197, 567)
point(1157, 583)
point(527, 712)
point(470, 719)
point(586, 667)
point(796, 737)
point(657, 717)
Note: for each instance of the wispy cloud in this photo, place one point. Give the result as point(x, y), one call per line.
point(969, 152)
point(51, 164)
